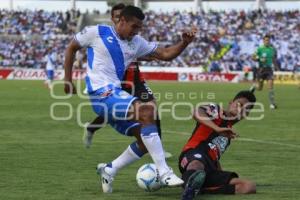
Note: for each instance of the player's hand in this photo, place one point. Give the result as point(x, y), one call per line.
point(227, 132)
point(188, 36)
point(69, 88)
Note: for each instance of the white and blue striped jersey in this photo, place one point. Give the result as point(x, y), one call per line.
point(109, 55)
point(51, 59)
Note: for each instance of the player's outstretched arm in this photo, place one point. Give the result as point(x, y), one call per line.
point(68, 64)
point(175, 50)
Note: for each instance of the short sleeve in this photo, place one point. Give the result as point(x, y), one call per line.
point(145, 47)
point(86, 36)
point(212, 110)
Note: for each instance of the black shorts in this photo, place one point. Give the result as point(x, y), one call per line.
point(216, 180)
point(196, 154)
point(142, 91)
point(265, 73)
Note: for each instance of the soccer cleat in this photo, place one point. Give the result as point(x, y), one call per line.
point(188, 194)
point(193, 185)
point(170, 179)
point(168, 155)
point(105, 178)
point(85, 91)
point(87, 138)
point(273, 106)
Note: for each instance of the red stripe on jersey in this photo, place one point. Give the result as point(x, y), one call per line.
point(129, 76)
point(132, 74)
point(201, 134)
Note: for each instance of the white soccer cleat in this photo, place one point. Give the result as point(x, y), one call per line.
point(170, 179)
point(85, 91)
point(167, 155)
point(87, 138)
point(105, 178)
point(273, 106)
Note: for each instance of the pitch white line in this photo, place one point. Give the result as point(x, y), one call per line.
point(244, 139)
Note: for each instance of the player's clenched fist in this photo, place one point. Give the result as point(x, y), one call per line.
point(188, 36)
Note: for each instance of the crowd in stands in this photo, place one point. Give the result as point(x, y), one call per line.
point(226, 40)
point(31, 53)
point(26, 36)
point(37, 22)
point(241, 31)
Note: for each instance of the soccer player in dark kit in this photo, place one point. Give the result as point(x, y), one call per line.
point(199, 161)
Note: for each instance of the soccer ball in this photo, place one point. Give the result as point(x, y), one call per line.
point(147, 178)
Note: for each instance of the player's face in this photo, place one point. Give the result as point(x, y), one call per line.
point(130, 27)
point(266, 41)
point(116, 16)
point(239, 108)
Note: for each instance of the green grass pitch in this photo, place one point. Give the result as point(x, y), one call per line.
point(43, 159)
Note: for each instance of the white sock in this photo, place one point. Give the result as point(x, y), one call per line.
point(156, 151)
point(126, 158)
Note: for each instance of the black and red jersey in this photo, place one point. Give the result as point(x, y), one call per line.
point(205, 138)
point(132, 76)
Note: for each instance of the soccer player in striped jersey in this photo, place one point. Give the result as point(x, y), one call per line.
point(134, 84)
point(110, 51)
point(199, 160)
point(51, 62)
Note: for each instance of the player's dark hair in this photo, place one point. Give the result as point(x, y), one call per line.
point(119, 6)
point(132, 11)
point(246, 94)
point(267, 36)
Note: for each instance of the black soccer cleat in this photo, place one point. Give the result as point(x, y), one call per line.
point(193, 185)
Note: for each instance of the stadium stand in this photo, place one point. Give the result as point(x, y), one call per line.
point(226, 40)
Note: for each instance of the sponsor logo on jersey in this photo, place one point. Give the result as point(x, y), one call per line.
point(197, 155)
point(110, 39)
point(221, 142)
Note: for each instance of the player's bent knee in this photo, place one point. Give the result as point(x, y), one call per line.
point(146, 117)
point(145, 113)
point(195, 165)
